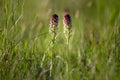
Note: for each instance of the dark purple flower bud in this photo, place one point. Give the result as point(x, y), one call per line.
point(53, 27)
point(67, 20)
point(54, 20)
point(67, 26)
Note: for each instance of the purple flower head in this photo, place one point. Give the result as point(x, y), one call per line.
point(54, 20)
point(67, 20)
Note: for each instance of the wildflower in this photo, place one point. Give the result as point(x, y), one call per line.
point(53, 27)
point(67, 26)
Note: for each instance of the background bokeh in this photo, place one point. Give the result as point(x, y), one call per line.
point(94, 47)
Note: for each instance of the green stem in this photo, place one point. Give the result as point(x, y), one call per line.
point(52, 51)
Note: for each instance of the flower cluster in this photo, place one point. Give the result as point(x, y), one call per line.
point(67, 26)
point(53, 27)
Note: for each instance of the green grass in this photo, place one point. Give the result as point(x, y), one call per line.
point(94, 49)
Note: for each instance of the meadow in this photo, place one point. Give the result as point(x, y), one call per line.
point(93, 52)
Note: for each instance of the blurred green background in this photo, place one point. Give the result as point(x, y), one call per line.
point(100, 10)
point(94, 46)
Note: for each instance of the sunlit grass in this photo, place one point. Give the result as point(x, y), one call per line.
point(93, 52)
